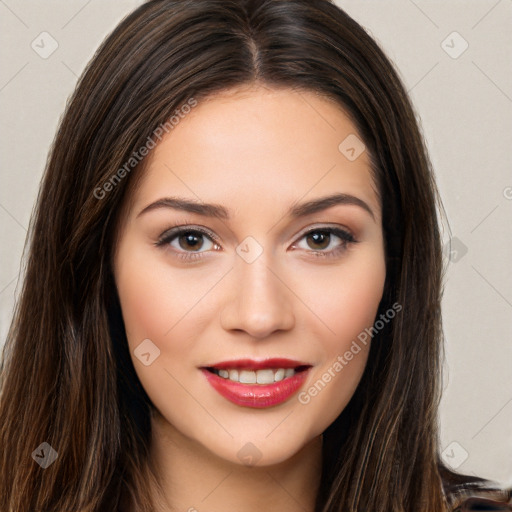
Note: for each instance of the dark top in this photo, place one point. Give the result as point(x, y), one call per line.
point(465, 493)
point(485, 501)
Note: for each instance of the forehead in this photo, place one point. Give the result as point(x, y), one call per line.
point(262, 146)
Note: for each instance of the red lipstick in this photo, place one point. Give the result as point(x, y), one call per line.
point(252, 364)
point(252, 394)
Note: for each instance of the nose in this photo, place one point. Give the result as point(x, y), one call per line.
point(260, 301)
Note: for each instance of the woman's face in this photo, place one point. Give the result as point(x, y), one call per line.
point(263, 274)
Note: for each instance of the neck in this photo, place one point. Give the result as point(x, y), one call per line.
point(194, 479)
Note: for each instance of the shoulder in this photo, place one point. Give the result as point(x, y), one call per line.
point(485, 500)
point(467, 493)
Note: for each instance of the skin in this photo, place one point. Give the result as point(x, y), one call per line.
point(256, 151)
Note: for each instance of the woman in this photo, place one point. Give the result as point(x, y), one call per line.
point(232, 298)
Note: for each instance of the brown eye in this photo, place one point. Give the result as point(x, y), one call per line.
point(183, 240)
point(191, 240)
point(319, 240)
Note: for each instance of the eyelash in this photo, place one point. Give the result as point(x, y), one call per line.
point(168, 236)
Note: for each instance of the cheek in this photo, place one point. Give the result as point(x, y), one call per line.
point(347, 301)
point(352, 303)
point(154, 299)
point(347, 298)
point(145, 302)
point(156, 306)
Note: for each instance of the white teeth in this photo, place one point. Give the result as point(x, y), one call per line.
point(247, 377)
point(279, 375)
point(265, 376)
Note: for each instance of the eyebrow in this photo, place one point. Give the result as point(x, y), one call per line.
point(220, 212)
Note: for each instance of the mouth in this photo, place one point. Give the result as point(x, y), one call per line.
point(264, 376)
point(257, 384)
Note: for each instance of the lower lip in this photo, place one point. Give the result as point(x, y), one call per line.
point(257, 396)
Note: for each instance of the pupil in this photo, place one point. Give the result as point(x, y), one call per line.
point(317, 236)
point(191, 241)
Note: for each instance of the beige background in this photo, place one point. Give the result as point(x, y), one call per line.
point(464, 100)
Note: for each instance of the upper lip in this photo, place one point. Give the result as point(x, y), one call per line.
point(252, 364)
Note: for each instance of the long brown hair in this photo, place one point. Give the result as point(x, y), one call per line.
point(67, 378)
